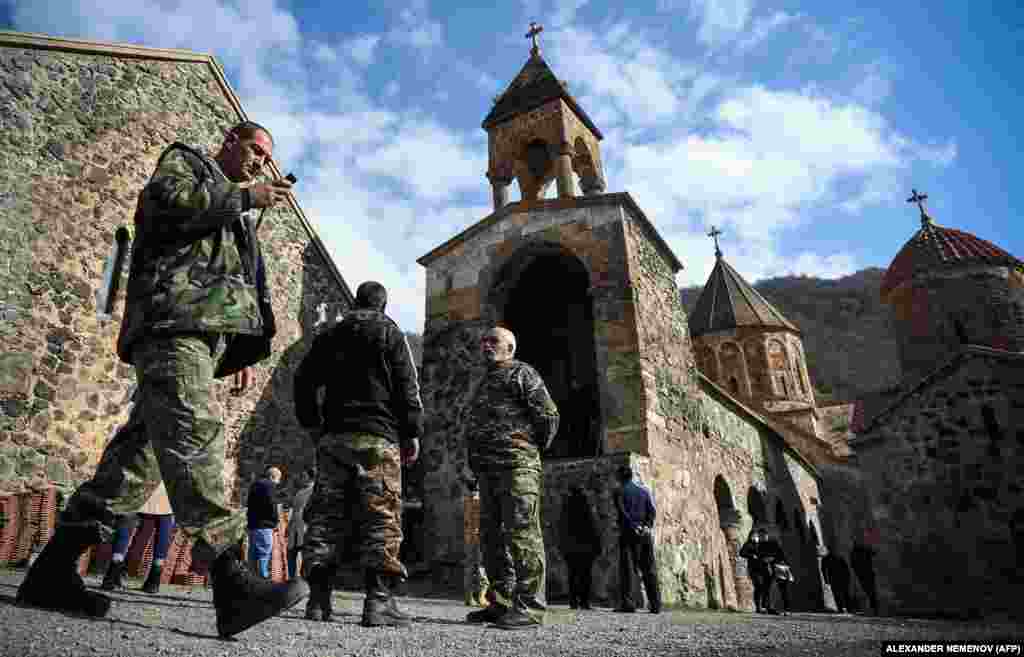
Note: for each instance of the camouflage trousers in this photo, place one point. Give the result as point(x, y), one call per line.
point(355, 511)
point(173, 434)
point(512, 539)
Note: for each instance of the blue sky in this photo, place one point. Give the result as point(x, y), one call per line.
point(799, 128)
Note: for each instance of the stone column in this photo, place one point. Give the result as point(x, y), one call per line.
point(563, 175)
point(741, 578)
point(499, 191)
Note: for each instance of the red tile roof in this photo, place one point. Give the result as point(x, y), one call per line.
point(934, 247)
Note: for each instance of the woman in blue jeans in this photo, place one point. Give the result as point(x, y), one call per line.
point(157, 507)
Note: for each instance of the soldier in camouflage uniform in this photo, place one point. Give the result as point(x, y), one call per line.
point(369, 425)
point(197, 309)
point(512, 420)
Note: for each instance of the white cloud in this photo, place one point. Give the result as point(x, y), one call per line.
point(720, 20)
point(938, 154)
point(639, 79)
point(559, 12)
point(416, 29)
point(764, 27)
point(432, 161)
point(362, 48)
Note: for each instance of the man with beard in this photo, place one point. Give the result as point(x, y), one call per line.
point(512, 420)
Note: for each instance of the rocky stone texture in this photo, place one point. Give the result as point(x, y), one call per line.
point(710, 461)
point(945, 471)
point(80, 134)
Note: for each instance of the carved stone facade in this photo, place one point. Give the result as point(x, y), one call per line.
point(82, 126)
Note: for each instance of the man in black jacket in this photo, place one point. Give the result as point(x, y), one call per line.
point(636, 541)
point(263, 518)
point(371, 420)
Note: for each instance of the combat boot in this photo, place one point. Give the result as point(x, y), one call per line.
point(320, 604)
point(489, 614)
point(53, 581)
point(243, 599)
point(114, 579)
point(380, 608)
point(152, 583)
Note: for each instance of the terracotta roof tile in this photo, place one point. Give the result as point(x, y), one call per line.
point(934, 247)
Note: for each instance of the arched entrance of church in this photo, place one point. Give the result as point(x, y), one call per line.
point(543, 296)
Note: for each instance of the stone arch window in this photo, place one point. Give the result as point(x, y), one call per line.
point(732, 363)
point(780, 516)
point(777, 359)
point(796, 368)
point(756, 506)
point(753, 352)
point(708, 363)
point(723, 494)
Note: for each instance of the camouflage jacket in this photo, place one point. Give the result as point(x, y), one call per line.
point(195, 262)
point(512, 418)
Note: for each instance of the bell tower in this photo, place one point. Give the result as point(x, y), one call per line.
point(537, 132)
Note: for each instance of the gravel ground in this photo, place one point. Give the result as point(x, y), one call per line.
point(179, 621)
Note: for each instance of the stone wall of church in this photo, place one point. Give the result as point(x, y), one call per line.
point(80, 134)
point(946, 475)
point(938, 310)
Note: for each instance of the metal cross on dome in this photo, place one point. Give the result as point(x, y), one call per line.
point(919, 199)
point(714, 233)
point(535, 29)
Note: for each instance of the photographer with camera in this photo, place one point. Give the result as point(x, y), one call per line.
point(197, 309)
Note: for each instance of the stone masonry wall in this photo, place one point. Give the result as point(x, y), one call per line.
point(946, 473)
point(987, 302)
point(79, 136)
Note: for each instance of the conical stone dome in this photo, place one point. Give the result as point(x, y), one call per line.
point(728, 302)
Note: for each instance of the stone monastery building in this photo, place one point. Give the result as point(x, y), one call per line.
point(587, 284)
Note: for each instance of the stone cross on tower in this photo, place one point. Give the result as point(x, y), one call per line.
point(535, 29)
point(714, 233)
point(919, 199)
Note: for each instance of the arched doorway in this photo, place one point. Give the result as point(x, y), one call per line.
point(543, 296)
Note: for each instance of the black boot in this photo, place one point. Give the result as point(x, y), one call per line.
point(114, 579)
point(320, 606)
point(152, 583)
point(380, 608)
point(243, 599)
point(53, 581)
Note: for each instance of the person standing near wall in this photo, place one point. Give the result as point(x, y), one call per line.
point(581, 543)
point(296, 523)
point(758, 569)
point(637, 514)
point(197, 308)
point(263, 519)
point(836, 574)
point(158, 509)
point(512, 420)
